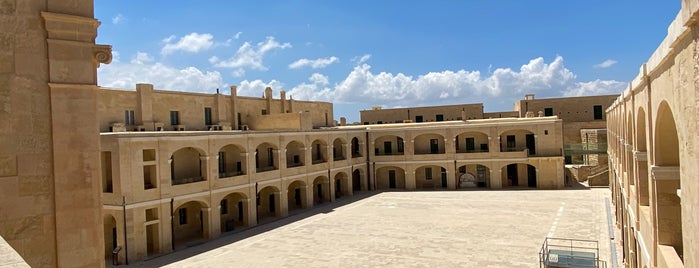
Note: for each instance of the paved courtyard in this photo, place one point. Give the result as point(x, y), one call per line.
point(412, 229)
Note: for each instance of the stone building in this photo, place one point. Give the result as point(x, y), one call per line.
point(653, 158)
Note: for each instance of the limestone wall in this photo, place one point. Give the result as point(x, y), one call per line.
point(428, 114)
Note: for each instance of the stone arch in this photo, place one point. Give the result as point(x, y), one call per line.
point(519, 175)
point(187, 165)
point(390, 177)
point(342, 185)
point(430, 177)
point(295, 154)
point(355, 148)
point(266, 157)
point(231, 161)
point(429, 143)
point(234, 211)
point(321, 190)
point(111, 236)
point(667, 179)
point(190, 222)
point(641, 159)
point(516, 140)
point(297, 195)
point(268, 202)
point(319, 152)
point(339, 150)
point(472, 142)
point(389, 145)
point(479, 173)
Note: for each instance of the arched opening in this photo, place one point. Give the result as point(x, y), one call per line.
point(518, 140)
point(430, 177)
point(356, 180)
point(233, 209)
point(390, 178)
point(339, 149)
point(321, 190)
point(642, 161)
point(295, 154)
point(471, 142)
point(190, 223)
point(319, 153)
point(110, 236)
point(342, 187)
point(429, 144)
point(268, 203)
point(356, 151)
point(266, 157)
point(186, 166)
point(668, 181)
point(519, 175)
point(231, 161)
point(389, 145)
point(296, 195)
point(474, 175)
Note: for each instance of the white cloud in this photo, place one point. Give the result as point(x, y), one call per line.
point(237, 35)
point(257, 87)
point(503, 85)
point(193, 42)
point(605, 64)
point(251, 56)
point(115, 56)
point(319, 79)
point(315, 64)
point(118, 19)
point(359, 60)
point(142, 69)
point(141, 58)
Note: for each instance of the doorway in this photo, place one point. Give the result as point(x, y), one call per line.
point(392, 179)
point(512, 175)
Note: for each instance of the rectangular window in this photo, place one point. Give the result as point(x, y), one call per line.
point(548, 111)
point(174, 118)
point(183, 216)
point(434, 146)
point(511, 144)
point(439, 117)
point(418, 118)
point(129, 118)
point(428, 173)
point(470, 144)
point(224, 207)
point(598, 112)
point(484, 147)
point(379, 122)
point(400, 145)
point(207, 116)
point(387, 148)
point(264, 111)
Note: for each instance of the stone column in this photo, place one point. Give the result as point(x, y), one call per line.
point(495, 178)
point(283, 203)
point(251, 209)
point(207, 222)
point(451, 179)
point(144, 108)
point(410, 179)
point(234, 108)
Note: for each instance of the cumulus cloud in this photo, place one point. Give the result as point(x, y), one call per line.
point(605, 64)
point(315, 64)
point(193, 42)
point(257, 87)
point(118, 19)
point(503, 85)
point(359, 60)
point(251, 56)
point(142, 69)
point(320, 79)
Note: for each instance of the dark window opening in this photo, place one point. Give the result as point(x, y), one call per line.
point(439, 117)
point(224, 207)
point(598, 112)
point(207, 116)
point(183, 216)
point(129, 118)
point(401, 146)
point(418, 118)
point(174, 118)
point(548, 111)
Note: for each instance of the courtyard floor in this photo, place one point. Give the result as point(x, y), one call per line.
point(412, 229)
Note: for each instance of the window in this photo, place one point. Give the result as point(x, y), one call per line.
point(548, 111)
point(221, 164)
point(470, 144)
point(207, 116)
point(183, 216)
point(129, 118)
point(224, 207)
point(366, 123)
point(400, 145)
point(439, 117)
point(264, 111)
point(511, 142)
point(174, 118)
point(598, 112)
point(428, 173)
point(418, 118)
point(379, 122)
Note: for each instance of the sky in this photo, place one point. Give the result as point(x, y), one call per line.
point(360, 54)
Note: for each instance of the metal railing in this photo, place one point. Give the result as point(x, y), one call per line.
point(561, 252)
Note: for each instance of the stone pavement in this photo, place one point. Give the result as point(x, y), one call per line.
point(492, 228)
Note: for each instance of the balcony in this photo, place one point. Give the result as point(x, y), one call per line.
point(223, 175)
point(472, 151)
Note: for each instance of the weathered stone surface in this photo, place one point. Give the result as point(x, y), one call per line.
point(8, 165)
point(7, 7)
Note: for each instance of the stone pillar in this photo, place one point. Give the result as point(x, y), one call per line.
point(220, 114)
point(283, 101)
point(251, 208)
point(234, 108)
point(207, 221)
point(144, 107)
point(216, 219)
point(495, 179)
point(283, 203)
point(308, 190)
point(451, 179)
point(268, 98)
point(410, 180)
point(343, 121)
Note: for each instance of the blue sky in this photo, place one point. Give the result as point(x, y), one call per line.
point(359, 54)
